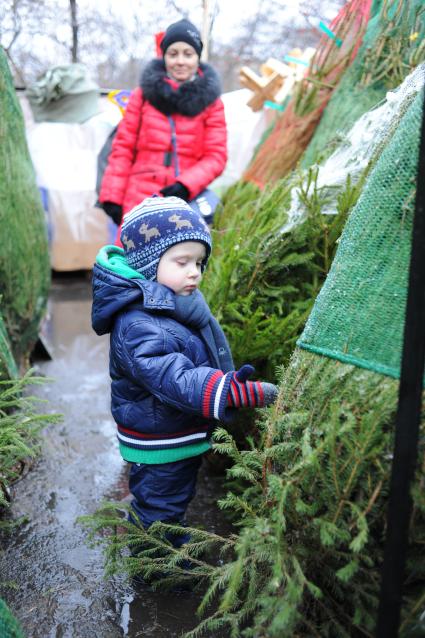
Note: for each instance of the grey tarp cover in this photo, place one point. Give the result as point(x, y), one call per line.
point(64, 94)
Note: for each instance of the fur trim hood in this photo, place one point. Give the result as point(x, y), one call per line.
point(189, 98)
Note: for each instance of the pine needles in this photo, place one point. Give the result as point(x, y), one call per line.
point(311, 502)
point(20, 425)
point(399, 47)
point(24, 255)
point(261, 283)
point(151, 554)
point(319, 502)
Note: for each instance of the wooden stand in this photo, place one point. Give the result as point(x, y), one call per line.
point(264, 87)
point(277, 78)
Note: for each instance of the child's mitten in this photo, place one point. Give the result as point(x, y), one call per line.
point(254, 394)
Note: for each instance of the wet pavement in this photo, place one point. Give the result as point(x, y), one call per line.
point(55, 582)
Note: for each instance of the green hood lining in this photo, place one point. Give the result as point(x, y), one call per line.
point(113, 258)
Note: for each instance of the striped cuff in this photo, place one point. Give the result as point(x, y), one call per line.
point(214, 399)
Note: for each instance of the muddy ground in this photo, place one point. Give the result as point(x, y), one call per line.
point(55, 583)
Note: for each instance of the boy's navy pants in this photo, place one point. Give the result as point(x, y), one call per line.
point(163, 492)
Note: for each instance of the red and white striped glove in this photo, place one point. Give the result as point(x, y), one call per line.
point(254, 394)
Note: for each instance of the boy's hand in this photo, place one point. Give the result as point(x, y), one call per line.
point(254, 394)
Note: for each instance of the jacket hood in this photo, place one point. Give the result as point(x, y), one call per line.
point(116, 286)
point(188, 98)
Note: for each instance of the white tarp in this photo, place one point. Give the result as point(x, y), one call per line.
point(244, 131)
point(65, 161)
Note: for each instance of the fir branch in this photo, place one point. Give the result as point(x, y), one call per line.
point(20, 427)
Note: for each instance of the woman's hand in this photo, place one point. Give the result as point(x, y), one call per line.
point(177, 190)
point(114, 211)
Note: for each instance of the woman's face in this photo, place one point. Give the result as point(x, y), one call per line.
point(181, 61)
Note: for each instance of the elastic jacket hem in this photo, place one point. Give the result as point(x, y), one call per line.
point(157, 457)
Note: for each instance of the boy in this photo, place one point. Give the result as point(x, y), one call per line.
point(170, 364)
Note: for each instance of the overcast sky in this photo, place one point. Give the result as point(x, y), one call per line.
point(45, 36)
point(229, 15)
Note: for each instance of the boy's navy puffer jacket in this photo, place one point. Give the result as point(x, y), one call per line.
point(165, 393)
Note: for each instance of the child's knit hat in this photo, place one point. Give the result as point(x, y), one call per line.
point(155, 225)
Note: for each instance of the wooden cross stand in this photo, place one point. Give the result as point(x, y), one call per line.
point(277, 78)
point(264, 87)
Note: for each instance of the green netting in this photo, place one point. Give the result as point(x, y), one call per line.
point(358, 316)
point(394, 43)
point(24, 259)
point(9, 626)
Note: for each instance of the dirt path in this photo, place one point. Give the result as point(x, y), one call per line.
point(56, 583)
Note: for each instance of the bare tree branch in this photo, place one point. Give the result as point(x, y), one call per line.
point(74, 29)
point(116, 47)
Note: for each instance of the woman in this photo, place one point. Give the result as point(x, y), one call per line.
point(142, 161)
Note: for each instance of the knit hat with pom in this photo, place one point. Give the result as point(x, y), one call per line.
point(154, 226)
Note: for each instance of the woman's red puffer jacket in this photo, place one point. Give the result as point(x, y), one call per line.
point(140, 163)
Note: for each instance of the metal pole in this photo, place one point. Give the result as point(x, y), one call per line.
point(407, 422)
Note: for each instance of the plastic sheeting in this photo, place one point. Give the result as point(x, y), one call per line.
point(358, 147)
point(65, 162)
point(64, 94)
point(244, 131)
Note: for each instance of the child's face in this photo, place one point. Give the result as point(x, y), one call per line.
point(180, 267)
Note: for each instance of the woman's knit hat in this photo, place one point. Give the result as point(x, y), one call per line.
point(154, 226)
point(182, 31)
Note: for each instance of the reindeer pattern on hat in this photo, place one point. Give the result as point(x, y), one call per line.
point(156, 225)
